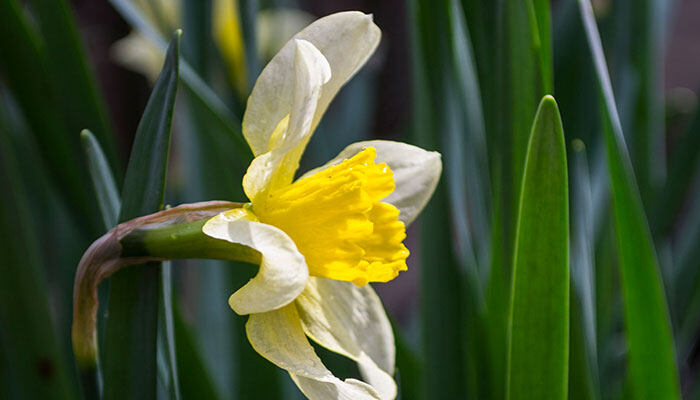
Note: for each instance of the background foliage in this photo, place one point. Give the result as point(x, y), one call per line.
point(558, 257)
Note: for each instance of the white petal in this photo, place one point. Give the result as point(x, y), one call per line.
point(345, 39)
point(351, 321)
point(416, 173)
point(278, 336)
point(283, 272)
point(276, 167)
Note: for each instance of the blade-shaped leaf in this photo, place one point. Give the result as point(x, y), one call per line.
point(102, 179)
point(109, 204)
point(539, 323)
point(131, 330)
point(651, 356)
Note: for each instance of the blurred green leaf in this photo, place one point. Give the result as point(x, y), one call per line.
point(651, 356)
point(669, 201)
point(684, 291)
point(248, 12)
point(687, 282)
point(581, 380)
point(81, 105)
point(443, 348)
point(131, 330)
point(583, 350)
point(195, 382)
point(648, 140)
point(409, 374)
point(444, 352)
point(102, 179)
point(197, 43)
point(542, 32)
point(539, 324)
point(471, 188)
point(26, 70)
point(36, 368)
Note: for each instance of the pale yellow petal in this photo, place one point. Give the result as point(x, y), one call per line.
point(278, 336)
point(283, 273)
point(276, 167)
point(416, 173)
point(351, 321)
point(345, 39)
point(139, 54)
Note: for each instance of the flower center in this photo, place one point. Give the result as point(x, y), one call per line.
point(336, 219)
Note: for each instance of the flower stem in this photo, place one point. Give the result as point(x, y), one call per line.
point(184, 241)
point(166, 235)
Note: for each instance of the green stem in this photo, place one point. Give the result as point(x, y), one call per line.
point(166, 235)
point(184, 240)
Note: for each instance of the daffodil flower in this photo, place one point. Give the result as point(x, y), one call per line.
point(326, 235)
point(319, 239)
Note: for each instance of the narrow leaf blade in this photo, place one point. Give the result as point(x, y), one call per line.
point(539, 323)
point(102, 179)
point(131, 330)
point(651, 357)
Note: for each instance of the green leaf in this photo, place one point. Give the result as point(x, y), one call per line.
point(669, 201)
point(647, 143)
point(469, 139)
point(522, 89)
point(542, 35)
point(583, 350)
point(131, 330)
point(28, 339)
point(195, 382)
point(409, 375)
point(26, 70)
point(197, 45)
point(651, 357)
point(166, 328)
point(108, 202)
point(81, 105)
point(441, 284)
point(102, 179)
point(687, 282)
point(539, 323)
point(248, 11)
